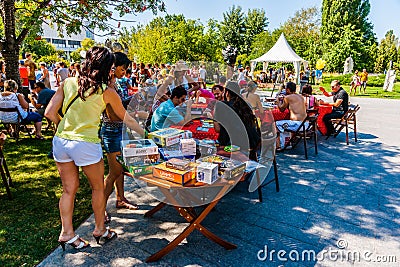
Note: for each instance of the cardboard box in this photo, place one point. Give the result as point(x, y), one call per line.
point(173, 175)
point(207, 147)
point(141, 147)
point(167, 154)
point(141, 170)
point(187, 146)
point(142, 160)
point(227, 168)
point(179, 164)
point(207, 172)
point(167, 136)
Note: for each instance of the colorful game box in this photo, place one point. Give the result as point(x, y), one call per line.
point(207, 172)
point(174, 175)
point(167, 136)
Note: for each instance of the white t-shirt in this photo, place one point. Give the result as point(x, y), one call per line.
point(203, 73)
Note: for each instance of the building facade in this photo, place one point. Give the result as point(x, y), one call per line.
point(66, 43)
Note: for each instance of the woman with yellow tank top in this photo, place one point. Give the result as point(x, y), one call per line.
point(76, 143)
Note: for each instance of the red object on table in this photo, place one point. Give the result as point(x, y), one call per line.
point(133, 90)
point(193, 125)
point(281, 115)
point(200, 105)
point(323, 110)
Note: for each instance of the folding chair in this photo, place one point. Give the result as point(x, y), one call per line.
point(306, 130)
point(18, 125)
point(5, 174)
point(348, 118)
point(267, 155)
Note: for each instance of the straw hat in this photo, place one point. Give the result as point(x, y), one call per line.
point(181, 66)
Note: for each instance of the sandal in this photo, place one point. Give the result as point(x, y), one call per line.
point(278, 149)
point(125, 204)
point(82, 243)
point(107, 218)
point(108, 235)
point(39, 137)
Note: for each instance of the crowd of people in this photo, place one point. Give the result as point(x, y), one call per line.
point(100, 91)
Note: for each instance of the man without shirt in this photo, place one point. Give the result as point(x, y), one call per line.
point(296, 105)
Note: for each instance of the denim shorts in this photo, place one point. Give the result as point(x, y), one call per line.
point(32, 117)
point(111, 136)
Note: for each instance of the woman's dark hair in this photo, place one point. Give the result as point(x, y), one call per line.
point(307, 89)
point(95, 71)
point(121, 59)
point(251, 86)
point(178, 91)
point(240, 105)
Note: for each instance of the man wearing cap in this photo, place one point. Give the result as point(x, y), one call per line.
point(340, 105)
point(297, 107)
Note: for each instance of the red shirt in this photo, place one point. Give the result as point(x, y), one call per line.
point(23, 73)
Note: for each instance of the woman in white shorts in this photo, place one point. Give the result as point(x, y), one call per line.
point(76, 142)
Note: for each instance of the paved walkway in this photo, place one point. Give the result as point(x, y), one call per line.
point(346, 196)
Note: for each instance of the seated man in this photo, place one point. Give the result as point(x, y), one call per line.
point(297, 108)
point(167, 114)
point(41, 97)
point(340, 105)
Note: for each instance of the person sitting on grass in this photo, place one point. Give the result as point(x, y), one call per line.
point(297, 108)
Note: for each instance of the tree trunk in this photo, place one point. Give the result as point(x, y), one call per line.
point(9, 46)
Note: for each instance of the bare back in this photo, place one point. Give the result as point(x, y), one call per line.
point(297, 107)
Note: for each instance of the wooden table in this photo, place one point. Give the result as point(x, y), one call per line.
point(184, 199)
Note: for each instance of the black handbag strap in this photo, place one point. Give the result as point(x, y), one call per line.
point(70, 103)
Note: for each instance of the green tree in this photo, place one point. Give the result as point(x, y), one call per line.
point(39, 48)
point(232, 28)
point(387, 51)
point(86, 44)
point(302, 33)
point(338, 18)
point(19, 17)
point(255, 23)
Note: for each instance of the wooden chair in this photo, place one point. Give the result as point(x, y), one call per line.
point(349, 118)
point(18, 125)
point(5, 174)
point(306, 130)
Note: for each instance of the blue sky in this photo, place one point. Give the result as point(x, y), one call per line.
point(384, 13)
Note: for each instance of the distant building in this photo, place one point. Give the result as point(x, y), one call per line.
point(66, 43)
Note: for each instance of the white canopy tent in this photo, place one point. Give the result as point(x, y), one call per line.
point(280, 52)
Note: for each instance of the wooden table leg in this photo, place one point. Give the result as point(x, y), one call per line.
point(190, 217)
point(195, 223)
point(154, 210)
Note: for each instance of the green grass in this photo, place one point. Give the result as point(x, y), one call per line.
point(371, 92)
point(30, 223)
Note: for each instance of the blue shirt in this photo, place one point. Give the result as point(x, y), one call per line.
point(164, 116)
point(44, 96)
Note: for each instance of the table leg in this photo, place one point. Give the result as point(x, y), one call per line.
point(154, 210)
point(195, 223)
